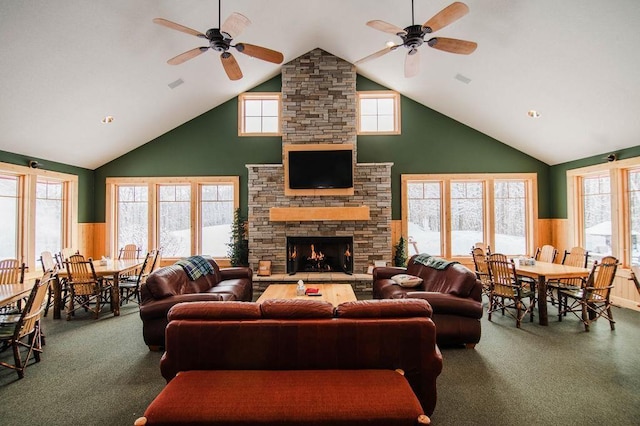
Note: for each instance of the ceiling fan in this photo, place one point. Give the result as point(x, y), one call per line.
point(221, 39)
point(413, 37)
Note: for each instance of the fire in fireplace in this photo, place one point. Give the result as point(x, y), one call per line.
point(319, 254)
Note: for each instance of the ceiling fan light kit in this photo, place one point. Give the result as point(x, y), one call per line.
point(413, 37)
point(221, 40)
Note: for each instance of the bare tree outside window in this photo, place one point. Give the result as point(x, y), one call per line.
point(596, 208)
point(49, 220)
point(175, 220)
point(217, 207)
point(510, 216)
point(424, 216)
point(467, 216)
point(8, 217)
point(634, 215)
point(133, 216)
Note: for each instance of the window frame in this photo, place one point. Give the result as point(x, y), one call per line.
point(380, 94)
point(27, 184)
point(153, 184)
point(270, 96)
point(621, 244)
point(487, 180)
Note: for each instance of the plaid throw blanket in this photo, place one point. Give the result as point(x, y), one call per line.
point(195, 267)
point(432, 261)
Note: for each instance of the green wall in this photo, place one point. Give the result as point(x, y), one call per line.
point(86, 184)
point(558, 177)
point(430, 143)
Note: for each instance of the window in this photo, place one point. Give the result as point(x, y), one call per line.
point(183, 216)
point(38, 212)
point(49, 216)
point(9, 212)
point(133, 216)
point(259, 114)
point(217, 208)
point(378, 113)
point(604, 209)
point(445, 215)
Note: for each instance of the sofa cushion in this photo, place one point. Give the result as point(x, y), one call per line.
point(406, 280)
point(456, 279)
point(215, 310)
point(385, 308)
point(449, 304)
point(164, 282)
point(377, 397)
point(296, 308)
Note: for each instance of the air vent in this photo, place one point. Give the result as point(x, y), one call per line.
point(176, 83)
point(462, 78)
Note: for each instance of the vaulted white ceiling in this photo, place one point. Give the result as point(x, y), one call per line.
point(68, 63)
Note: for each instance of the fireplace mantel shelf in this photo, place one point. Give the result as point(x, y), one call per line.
point(300, 214)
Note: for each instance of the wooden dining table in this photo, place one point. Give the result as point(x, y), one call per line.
point(112, 268)
point(10, 293)
point(543, 271)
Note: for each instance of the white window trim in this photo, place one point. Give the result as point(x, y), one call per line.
point(620, 241)
point(380, 94)
point(28, 178)
point(258, 96)
point(153, 183)
point(531, 180)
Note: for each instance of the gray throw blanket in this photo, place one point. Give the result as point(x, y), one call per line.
point(432, 261)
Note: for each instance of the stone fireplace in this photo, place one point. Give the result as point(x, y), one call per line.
point(319, 106)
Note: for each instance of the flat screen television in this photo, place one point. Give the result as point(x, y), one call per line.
point(322, 169)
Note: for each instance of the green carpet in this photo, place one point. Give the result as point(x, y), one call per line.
point(101, 373)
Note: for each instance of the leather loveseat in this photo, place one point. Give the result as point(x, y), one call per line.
point(454, 293)
point(298, 362)
point(170, 285)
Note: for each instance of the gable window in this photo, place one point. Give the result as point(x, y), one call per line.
point(445, 215)
point(259, 114)
point(182, 216)
point(604, 210)
point(378, 113)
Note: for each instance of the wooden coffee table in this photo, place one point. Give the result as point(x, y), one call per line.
point(332, 293)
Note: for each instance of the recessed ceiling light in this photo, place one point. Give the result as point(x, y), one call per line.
point(107, 119)
point(533, 113)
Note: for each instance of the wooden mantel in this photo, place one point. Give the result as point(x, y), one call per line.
point(300, 214)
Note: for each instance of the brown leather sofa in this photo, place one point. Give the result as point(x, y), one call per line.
point(170, 285)
point(298, 362)
point(454, 293)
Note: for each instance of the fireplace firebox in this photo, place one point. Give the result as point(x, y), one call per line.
point(319, 254)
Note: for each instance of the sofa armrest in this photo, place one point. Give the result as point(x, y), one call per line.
point(159, 308)
point(386, 272)
point(236, 273)
point(448, 304)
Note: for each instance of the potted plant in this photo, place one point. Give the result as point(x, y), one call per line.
point(400, 255)
point(239, 246)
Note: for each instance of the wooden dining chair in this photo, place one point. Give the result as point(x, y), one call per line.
point(577, 256)
point(592, 300)
point(129, 251)
point(11, 272)
point(84, 286)
point(635, 277)
point(482, 269)
point(130, 286)
point(48, 263)
point(546, 253)
point(24, 330)
point(507, 291)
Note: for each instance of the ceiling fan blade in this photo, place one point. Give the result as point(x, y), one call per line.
point(377, 54)
point(234, 25)
point(178, 27)
point(386, 27)
point(446, 16)
point(189, 54)
point(260, 52)
point(412, 63)
point(230, 66)
point(453, 45)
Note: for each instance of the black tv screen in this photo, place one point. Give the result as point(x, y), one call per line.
point(320, 169)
